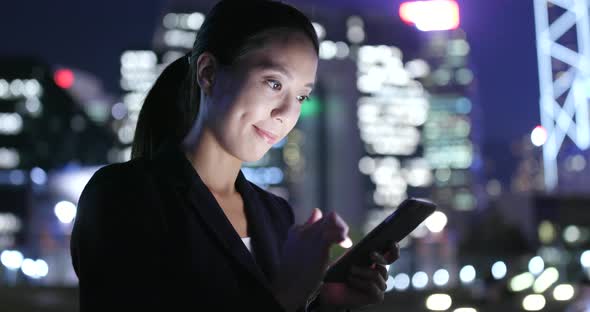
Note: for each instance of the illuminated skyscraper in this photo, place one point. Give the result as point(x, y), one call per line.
point(451, 131)
point(41, 124)
point(391, 110)
point(44, 133)
point(139, 70)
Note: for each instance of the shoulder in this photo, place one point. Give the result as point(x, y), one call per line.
point(116, 192)
point(119, 173)
point(117, 221)
point(119, 180)
point(279, 208)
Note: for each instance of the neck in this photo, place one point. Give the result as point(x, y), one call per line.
point(217, 168)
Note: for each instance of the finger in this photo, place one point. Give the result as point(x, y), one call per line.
point(346, 243)
point(382, 270)
point(372, 290)
point(378, 258)
point(333, 236)
point(333, 221)
point(376, 276)
point(339, 222)
point(332, 229)
point(392, 254)
point(316, 215)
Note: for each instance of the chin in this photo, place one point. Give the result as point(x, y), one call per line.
point(252, 155)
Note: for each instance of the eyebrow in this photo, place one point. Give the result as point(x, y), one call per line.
point(268, 65)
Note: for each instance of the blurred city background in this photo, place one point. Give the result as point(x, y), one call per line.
point(480, 106)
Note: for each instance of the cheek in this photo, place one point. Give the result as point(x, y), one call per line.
point(230, 95)
point(248, 114)
point(295, 114)
point(292, 121)
point(239, 107)
point(254, 108)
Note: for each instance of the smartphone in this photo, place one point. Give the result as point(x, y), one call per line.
point(399, 224)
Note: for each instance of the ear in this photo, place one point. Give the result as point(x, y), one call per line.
point(206, 69)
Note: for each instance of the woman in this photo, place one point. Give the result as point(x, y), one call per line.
point(179, 225)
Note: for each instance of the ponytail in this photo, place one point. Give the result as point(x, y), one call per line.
point(168, 110)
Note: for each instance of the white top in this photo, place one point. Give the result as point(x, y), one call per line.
point(246, 241)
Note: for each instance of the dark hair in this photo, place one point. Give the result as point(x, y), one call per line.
point(231, 29)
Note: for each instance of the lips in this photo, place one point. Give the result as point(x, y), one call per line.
point(269, 137)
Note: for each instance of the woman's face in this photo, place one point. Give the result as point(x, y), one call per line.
point(255, 103)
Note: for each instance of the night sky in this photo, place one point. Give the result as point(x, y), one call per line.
point(90, 35)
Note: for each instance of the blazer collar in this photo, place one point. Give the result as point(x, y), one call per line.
point(186, 180)
point(260, 227)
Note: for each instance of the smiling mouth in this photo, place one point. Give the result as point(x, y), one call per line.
point(267, 136)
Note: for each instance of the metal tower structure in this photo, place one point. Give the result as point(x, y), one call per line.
point(563, 51)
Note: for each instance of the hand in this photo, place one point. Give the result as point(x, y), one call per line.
point(364, 286)
point(305, 257)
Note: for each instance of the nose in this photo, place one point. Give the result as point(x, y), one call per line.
point(287, 109)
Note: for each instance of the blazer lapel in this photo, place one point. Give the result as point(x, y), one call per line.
point(202, 201)
point(264, 240)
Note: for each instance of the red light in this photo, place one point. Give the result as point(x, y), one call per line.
point(431, 15)
point(64, 78)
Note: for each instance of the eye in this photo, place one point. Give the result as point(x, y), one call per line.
point(302, 98)
point(274, 84)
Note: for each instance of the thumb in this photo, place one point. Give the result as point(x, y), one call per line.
point(316, 214)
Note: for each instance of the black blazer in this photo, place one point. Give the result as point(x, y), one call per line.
point(150, 235)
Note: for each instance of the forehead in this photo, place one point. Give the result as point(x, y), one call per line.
point(292, 51)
